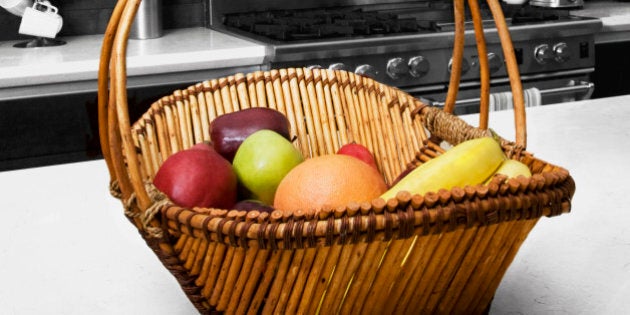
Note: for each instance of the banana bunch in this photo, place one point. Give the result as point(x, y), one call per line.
point(471, 162)
point(511, 168)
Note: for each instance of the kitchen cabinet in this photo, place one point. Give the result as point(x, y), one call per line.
point(612, 69)
point(50, 130)
point(612, 46)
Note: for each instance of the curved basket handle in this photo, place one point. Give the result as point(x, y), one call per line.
point(510, 60)
point(458, 52)
point(118, 131)
point(103, 85)
point(114, 124)
point(484, 73)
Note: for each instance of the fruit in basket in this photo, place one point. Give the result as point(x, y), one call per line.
point(228, 131)
point(404, 173)
point(261, 161)
point(468, 163)
point(512, 168)
point(251, 204)
point(202, 146)
point(358, 151)
point(197, 177)
point(328, 181)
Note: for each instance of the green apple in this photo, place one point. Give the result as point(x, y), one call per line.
point(262, 161)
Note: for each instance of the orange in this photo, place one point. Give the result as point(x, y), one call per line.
point(329, 180)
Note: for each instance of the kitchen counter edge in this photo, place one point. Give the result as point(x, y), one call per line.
point(180, 56)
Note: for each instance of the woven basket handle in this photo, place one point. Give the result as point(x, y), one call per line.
point(115, 128)
point(510, 60)
point(114, 124)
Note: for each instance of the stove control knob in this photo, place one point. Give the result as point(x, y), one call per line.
point(494, 62)
point(396, 68)
point(418, 66)
point(543, 53)
point(366, 70)
point(465, 65)
point(561, 52)
point(338, 66)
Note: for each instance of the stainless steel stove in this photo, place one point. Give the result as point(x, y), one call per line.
point(409, 44)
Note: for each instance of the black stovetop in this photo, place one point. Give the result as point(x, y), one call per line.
point(360, 21)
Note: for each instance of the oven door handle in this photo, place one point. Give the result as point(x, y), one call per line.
point(584, 88)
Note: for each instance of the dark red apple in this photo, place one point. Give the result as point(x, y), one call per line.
point(358, 151)
point(228, 131)
point(206, 145)
point(198, 177)
point(403, 174)
point(252, 204)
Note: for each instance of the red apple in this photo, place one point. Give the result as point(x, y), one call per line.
point(358, 151)
point(198, 177)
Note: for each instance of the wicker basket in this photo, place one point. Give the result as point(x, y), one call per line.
point(444, 252)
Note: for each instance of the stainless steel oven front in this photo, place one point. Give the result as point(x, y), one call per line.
point(409, 44)
point(539, 89)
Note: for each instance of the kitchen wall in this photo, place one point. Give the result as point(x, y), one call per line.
point(90, 17)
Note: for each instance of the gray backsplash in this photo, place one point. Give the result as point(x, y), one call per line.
point(90, 17)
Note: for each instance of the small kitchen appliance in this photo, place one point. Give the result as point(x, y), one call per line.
point(39, 18)
point(557, 3)
point(148, 21)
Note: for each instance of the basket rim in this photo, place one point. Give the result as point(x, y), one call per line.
point(398, 217)
point(547, 192)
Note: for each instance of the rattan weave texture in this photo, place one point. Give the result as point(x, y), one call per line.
point(443, 252)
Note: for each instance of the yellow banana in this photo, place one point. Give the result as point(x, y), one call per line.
point(468, 163)
point(512, 168)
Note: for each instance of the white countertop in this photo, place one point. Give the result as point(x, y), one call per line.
point(577, 263)
point(180, 55)
point(68, 249)
point(614, 14)
point(615, 17)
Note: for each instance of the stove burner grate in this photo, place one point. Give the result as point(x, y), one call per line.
point(357, 21)
point(322, 23)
